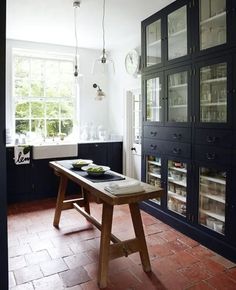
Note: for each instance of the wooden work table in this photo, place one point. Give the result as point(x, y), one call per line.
point(117, 248)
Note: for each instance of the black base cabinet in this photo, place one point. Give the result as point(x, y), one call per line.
point(189, 127)
point(37, 180)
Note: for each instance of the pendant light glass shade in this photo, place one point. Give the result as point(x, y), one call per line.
point(104, 63)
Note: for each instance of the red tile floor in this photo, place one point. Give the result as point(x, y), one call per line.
point(44, 258)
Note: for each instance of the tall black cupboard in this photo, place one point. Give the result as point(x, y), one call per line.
point(189, 128)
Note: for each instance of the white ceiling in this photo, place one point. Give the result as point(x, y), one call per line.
point(52, 21)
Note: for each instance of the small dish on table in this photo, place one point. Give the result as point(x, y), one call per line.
point(77, 164)
point(95, 170)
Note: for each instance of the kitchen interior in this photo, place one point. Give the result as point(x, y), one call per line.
point(146, 90)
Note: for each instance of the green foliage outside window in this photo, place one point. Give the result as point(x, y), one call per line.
point(44, 95)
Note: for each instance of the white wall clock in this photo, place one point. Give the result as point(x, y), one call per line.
point(132, 62)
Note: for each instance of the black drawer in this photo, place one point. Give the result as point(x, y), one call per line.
point(153, 146)
point(170, 134)
point(212, 154)
point(177, 149)
point(223, 138)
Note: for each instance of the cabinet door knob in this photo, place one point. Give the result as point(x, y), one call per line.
point(176, 150)
point(153, 133)
point(177, 136)
point(133, 149)
point(211, 139)
point(211, 156)
point(153, 147)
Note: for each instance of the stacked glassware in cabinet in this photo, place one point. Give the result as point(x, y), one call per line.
point(213, 93)
point(154, 173)
point(177, 187)
point(212, 186)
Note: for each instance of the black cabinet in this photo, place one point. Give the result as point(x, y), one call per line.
point(109, 154)
point(189, 128)
point(37, 180)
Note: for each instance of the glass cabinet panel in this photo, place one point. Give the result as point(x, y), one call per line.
point(212, 187)
point(153, 43)
point(177, 33)
point(154, 100)
point(213, 93)
point(178, 97)
point(212, 21)
point(177, 187)
point(153, 174)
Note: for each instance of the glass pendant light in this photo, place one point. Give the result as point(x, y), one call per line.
point(104, 63)
point(76, 5)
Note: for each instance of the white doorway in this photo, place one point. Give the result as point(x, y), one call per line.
point(133, 130)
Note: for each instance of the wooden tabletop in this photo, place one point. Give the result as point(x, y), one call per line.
point(97, 188)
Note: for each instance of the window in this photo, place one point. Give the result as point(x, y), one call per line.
point(44, 94)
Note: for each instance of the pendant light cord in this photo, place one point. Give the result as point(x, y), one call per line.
point(103, 25)
point(76, 36)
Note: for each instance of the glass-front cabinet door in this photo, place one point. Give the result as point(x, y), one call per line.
point(212, 23)
point(213, 93)
point(153, 43)
point(212, 199)
point(153, 173)
point(154, 99)
point(177, 187)
point(177, 33)
point(177, 90)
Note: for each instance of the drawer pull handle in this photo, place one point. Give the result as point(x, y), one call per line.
point(211, 139)
point(177, 136)
point(176, 150)
point(211, 156)
point(153, 147)
point(153, 133)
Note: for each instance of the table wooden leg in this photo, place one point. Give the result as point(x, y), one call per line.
point(139, 232)
point(86, 200)
point(60, 198)
point(107, 214)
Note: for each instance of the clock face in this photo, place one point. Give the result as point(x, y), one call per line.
point(132, 62)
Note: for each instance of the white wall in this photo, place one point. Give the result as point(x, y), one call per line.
point(91, 110)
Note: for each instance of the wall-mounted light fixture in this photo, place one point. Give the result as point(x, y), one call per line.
point(100, 94)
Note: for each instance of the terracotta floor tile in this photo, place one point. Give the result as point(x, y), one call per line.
point(211, 266)
point(222, 282)
point(27, 274)
point(169, 235)
point(223, 261)
point(19, 250)
point(42, 245)
point(16, 263)
point(12, 281)
point(92, 270)
point(53, 267)
point(60, 251)
point(74, 277)
point(124, 280)
point(53, 282)
point(201, 252)
point(25, 286)
point(77, 260)
point(195, 273)
point(176, 246)
point(168, 276)
point(232, 273)
point(200, 286)
point(37, 257)
point(92, 285)
point(182, 259)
